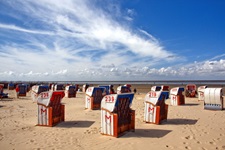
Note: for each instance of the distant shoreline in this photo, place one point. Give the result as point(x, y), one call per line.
point(147, 82)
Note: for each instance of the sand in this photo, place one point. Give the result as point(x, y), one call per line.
point(188, 127)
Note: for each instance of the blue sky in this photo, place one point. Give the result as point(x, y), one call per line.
point(112, 40)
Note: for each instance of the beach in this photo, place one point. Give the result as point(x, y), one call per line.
point(188, 126)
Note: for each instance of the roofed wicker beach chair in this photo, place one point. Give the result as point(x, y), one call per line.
point(190, 90)
point(94, 97)
point(116, 115)
point(70, 91)
point(213, 99)
point(2, 94)
point(50, 109)
point(22, 89)
point(176, 96)
point(155, 109)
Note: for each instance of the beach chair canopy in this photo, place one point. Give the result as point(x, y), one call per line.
point(70, 87)
point(59, 87)
point(91, 90)
point(191, 87)
point(176, 90)
point(202, 88)
point(164, 88)
point(110, 102)
point(40, 88)
point(123, 89)
point(49, 97)
point(11, 85)
point(156, 88)
point(107, 88)
point(155, 96)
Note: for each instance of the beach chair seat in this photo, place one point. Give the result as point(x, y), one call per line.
point(201, 90)
point(213, 99)
point(94, 97)
point(70, 91)
point(50, 109)
point(116, 115)
point(155, 108)
point(176, 96)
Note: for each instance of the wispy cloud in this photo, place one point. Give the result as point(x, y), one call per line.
point(77, 39)
point(13, 27)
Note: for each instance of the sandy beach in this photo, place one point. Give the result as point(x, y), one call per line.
point(188, 127)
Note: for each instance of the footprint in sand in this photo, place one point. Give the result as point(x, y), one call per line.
point(168, 146)
point(93, 130)
point(212, 143)
point(189, 137)
point(1, 136)
point(187, 147)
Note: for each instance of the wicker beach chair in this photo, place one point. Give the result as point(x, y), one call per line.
point(70, 91)
point(213, 99)
point(116, 114)
point(94, 97)
point(155, 108)
point(176, 96)
point(50, 109)
point(190, 90)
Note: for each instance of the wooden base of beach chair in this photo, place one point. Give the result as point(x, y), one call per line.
point(155, 114)
point(49, 117)
point(22, 94)
point(176, 100)
point(90, 103)
point(110, 124)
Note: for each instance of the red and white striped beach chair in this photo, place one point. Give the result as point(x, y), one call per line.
point(155, 108)
point(50, 109)
point(176, 96)
point(116, 114)
point(213, 99)
point(94, 97)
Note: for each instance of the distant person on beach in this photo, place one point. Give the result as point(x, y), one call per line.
point(135, 90)
point(17, 91)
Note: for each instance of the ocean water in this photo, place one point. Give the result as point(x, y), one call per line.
point(158, 82)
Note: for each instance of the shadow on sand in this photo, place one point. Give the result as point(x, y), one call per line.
point(179, 121)
point(75, 124)
point(150, 133)
point(190, 104)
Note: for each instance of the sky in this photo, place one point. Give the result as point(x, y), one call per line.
point(100, 40)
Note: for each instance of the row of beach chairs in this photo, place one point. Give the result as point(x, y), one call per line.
point(116, 113)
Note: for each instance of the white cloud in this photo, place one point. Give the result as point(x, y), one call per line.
point(78, 39)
